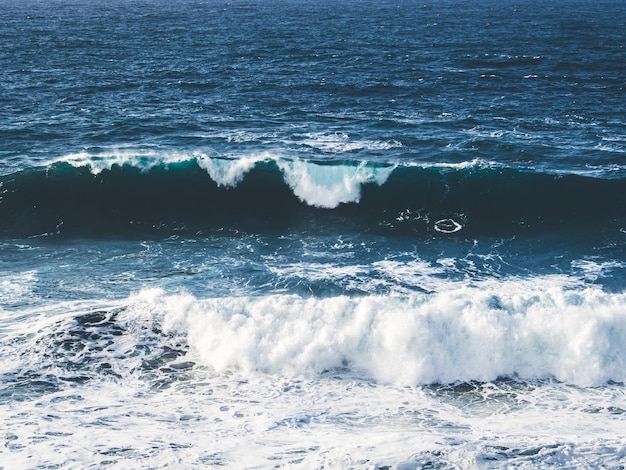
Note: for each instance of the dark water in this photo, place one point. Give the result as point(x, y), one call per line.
point(347, 234)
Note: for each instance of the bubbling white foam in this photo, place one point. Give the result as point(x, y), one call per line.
point(531, 329)
point(339, 142)
point(327, 186)
point(144, 159)
point(315, 184)
point(224, 171)
point(229, 172)
point(16, 287)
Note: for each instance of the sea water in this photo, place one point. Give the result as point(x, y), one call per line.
point(276, 234)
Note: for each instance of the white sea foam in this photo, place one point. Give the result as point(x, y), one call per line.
point(610, 147)
point(265, 408)
point(314, 183)
point(319, 272)
point(264, 422)
point(16, 287)
point(592, 269)
point(225, 171)
point(330, 185)
point(230, 172)
point(398, 277)
point(144, 159)
point(411, 274)
point(474, 163)
point(532, 329)
point(325, 185)
point(340, 142)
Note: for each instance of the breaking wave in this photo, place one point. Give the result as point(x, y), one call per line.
point(530, 329)
point(84, 194)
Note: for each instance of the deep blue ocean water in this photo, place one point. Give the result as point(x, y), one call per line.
point(349, 234)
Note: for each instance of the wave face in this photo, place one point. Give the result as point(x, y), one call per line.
point(89, 196)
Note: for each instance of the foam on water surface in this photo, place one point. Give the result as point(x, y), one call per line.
point(551, 327)
point(99, 376)
point(321, 185)
point(513, 329)
point(328, 186)
point(426, 363)
point(285, 234)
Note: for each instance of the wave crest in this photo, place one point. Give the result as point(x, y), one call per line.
point(180, 193)
point(514, 328)
point(327, 186)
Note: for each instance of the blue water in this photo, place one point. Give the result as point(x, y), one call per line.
point(348, 234)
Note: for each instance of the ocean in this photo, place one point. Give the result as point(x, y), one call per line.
point(378, 234)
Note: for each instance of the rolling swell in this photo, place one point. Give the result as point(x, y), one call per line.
point(191, 196)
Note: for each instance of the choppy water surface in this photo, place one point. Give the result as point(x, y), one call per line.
point(321, 235)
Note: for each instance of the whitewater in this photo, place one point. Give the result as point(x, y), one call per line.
point(356, 234)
